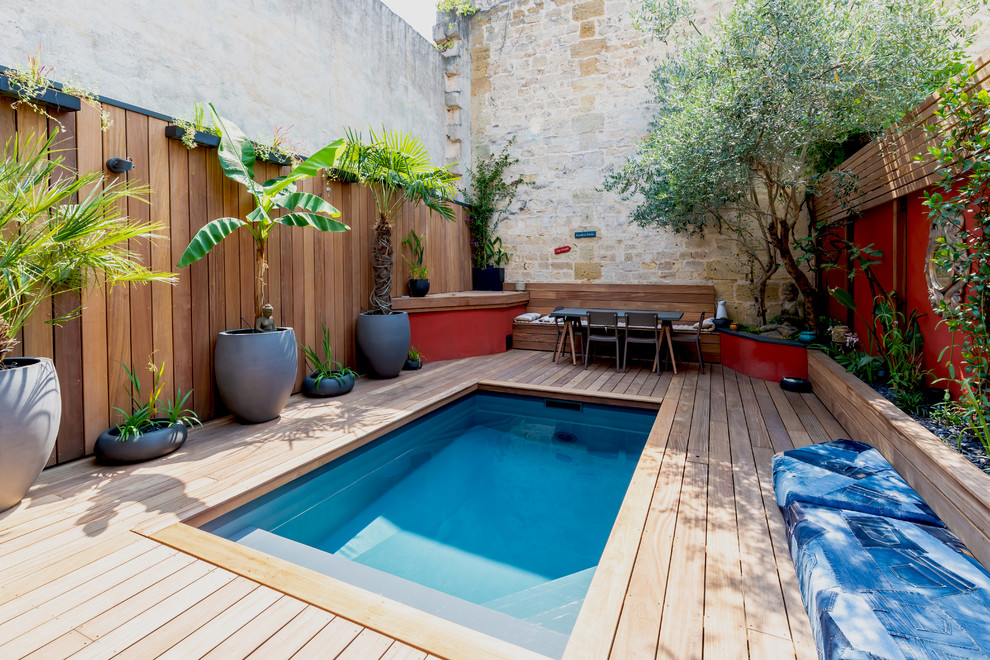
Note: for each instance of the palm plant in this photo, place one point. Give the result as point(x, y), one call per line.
point(396, 167)
point(237, 158)
point(59, 232)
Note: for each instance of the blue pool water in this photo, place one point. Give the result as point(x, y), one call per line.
point(492, 512)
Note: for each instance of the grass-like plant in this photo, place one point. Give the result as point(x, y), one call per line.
point(59, 232)
point(414, 354)
point(396, 167)
point(237, 158)
point(148, 411)
point(326, 368)
point(417, 248)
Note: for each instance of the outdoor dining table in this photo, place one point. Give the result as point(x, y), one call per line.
point(569, 314)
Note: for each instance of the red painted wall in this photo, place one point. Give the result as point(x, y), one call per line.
point(764, 360)
point(462, 333)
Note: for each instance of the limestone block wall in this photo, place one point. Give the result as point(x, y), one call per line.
point(315, 66)
point(568, 79)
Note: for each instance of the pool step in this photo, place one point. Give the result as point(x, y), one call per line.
point(552, 605)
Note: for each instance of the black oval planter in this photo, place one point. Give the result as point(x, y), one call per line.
point(327, 386)
point(487, 279)
point(384, 340)
point(419, 288)
point(256, 372)
point(148, 445)
point(413, 365)
point(30, 413)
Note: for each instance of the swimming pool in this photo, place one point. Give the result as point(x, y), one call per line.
point(491, 512)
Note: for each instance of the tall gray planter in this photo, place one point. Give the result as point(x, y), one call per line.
point(30, 412)
point(255, 372)
point(384, 340)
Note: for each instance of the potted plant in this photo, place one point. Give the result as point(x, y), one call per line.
point(152, 428)
point(50, 245)
point(329, 377)
point(414, 359)
point(396, 167)
point(419, 286)
point(488, 199)
point(256, 368)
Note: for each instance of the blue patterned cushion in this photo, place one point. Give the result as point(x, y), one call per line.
point(847, 475)
point(878, 587)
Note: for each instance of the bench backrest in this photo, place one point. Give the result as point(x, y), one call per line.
point(691, 299)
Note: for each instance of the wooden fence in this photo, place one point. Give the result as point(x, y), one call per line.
point(886, 168)
point(315, 278)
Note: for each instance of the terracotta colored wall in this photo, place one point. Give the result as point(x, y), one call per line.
point(462, 333)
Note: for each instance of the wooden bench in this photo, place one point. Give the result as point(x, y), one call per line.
point(688, 298)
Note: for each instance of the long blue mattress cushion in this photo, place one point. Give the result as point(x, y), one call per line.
point(845, 474)
point(877, 587)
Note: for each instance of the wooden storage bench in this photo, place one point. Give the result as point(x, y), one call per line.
point(688, 298)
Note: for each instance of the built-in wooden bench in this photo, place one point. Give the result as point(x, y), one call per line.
point(691, 299)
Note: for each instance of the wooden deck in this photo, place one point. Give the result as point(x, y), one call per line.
point(697, 564)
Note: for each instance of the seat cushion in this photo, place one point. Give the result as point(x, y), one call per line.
point(847, 475)
point(878, 587)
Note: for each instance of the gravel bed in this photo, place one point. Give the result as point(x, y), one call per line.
point(952, 436)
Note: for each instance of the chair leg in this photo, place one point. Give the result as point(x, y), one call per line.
point(701, 359)
point(587, 352)
point(625, 357)
point(618, 362)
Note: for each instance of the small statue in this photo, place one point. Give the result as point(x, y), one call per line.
point(265, 322)
point(792, 314)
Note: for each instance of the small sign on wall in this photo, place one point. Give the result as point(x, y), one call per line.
point(585, 234)
point(562, 249)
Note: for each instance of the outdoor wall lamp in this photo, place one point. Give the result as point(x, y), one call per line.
point(120, 165)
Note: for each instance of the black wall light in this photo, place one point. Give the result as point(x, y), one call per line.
point(120, 165)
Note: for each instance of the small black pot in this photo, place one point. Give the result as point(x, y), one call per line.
point(413, 365)
point(934, 395)
point(152, 444)
point(419, 288)
point(487, 279)
point(881, 377)
point(327, 386)
point(722, 323)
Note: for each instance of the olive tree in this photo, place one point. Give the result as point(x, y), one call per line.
point(750, 113)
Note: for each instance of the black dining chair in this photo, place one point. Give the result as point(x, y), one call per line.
point(692, 338)
point(642, 328)
point(603, 327)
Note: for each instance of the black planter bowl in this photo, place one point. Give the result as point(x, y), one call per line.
point(162, 440)
point(722, 323)
point(413, 365)
point(419, 288)
point(325, 387)
point(792, 384)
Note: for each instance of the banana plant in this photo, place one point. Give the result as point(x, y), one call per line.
point(237, 158)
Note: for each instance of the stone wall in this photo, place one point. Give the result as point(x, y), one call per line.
point(568, 79)
point(316, 66)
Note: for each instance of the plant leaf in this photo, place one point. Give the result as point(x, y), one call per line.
point(236, 153)
point(321, 222)
point(207, 238)
point(307, 202)
point(843, 297)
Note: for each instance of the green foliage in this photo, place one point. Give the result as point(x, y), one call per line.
point(34, 79)
point(961, 205)
point(459, 7)
point(326, 368)
point(60, 232)
point(417, 248)
point(145, 410)
point(489, 198)
point(414, 354)
point(198, 122)
point(745, 110)
point(396, 167)
point(237, 158)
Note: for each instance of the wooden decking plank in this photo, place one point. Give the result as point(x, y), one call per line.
point(330, 641)
point(700, 413)
point(400, 651)
point(289, 639)
point(813, 428)
point(832, 428)
point(60, 647)
point(369, 645)
point(660, 386)
point(792, 422)
point(780, 440)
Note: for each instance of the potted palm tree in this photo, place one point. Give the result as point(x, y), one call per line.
point(256, 368)
point(396, 167)
point(51, 244)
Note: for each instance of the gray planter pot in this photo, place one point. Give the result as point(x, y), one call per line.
point(256, 372)
point(384, 340)
point(327, 386)
point(30, 412)
point(151, 444)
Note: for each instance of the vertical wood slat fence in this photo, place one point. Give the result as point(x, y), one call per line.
point(314, 279)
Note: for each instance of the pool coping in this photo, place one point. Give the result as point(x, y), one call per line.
point(403, 622)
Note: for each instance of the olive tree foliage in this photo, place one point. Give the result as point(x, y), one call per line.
point(751, 111)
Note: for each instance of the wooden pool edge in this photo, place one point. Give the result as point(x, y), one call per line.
point(427, 632)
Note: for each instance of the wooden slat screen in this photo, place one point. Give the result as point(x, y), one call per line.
point(314, 278)
point(886, 168)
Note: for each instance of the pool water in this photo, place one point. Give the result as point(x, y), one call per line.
point(492, 512)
